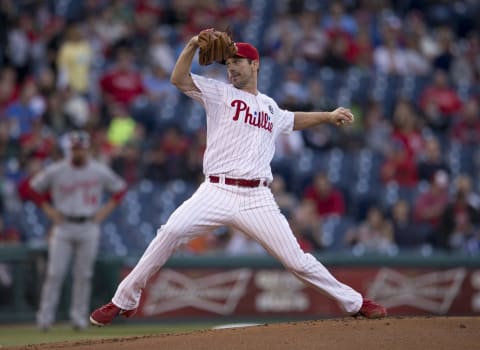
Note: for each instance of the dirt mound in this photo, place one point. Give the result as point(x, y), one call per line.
point(391, 333)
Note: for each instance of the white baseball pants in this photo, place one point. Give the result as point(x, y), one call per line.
point(250, 210)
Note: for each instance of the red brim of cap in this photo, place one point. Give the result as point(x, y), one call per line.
point(246, 50)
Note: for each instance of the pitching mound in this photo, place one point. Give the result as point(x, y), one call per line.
point(391, 333)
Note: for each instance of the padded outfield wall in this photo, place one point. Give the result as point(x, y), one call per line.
point(256, 288)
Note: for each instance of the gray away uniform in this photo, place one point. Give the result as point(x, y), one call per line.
point(77, 193)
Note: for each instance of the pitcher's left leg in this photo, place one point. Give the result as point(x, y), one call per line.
point(270, 228)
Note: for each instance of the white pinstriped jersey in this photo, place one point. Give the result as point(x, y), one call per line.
point(77, 191)
point(241, 129)
point(241, 132)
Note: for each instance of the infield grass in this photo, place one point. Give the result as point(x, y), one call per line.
point(12, 335)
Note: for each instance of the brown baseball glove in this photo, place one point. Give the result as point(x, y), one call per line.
point(215, 46)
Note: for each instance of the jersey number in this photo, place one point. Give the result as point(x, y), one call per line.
point(90, 199)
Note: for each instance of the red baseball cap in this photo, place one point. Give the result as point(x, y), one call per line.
point(247, 50)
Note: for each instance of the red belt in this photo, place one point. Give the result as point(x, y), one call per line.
point(238, 182)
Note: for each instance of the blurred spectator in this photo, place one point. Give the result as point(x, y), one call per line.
point(122, 83)
point(466, 127)
point(307, 225)
point(9, 89)
point(216, 242)
point(416, 62)
point(75, 108)
point(338, 21)
point(328, 199)
point(281, 38)
point(390, 57)
point(337, 53)
point(158, 87)
point(407, 234)
point(288, 147)
point(465, 68)
point(439, 102)
point(286, 201)
point(46, 81)
point(109, 26)
point(431, 160)
point(460, 226)
point(234, 15)
point(52, 37)
point(161, 53)
point(146, 16)
point(464, 186)
point(374, 234)
point(416, 25)
point(317, 98)
point(376, 128)
point(430, 204)
point(445, 56)
point(362, 50)
point(166, 159)
point(321, 137)
point(240, 244)
point(75, 61)
point(201, 15)
point(195, 153)
point(122, 128)
point(102, 149)
point(200, 245)
point(23, 111)
point(39, 142)
point(127, 163)
point(159, 92)
point(293, 92)
point(20, 42)
point(406, 128)
point(9, 148)
point(398, 166)
point(312, 44)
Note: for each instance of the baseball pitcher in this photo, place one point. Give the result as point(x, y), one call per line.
point(242, 124)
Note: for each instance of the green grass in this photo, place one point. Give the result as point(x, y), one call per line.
point(11, 335)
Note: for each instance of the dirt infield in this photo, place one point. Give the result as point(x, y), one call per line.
point(391, 333)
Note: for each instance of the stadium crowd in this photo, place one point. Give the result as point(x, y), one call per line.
point(405, 176)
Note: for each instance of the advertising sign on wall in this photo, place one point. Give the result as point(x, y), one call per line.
point(247, 292)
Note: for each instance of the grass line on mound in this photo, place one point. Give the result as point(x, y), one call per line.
point(12, 335)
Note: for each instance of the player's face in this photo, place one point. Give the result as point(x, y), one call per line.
point(79, 155)
point(241, 72)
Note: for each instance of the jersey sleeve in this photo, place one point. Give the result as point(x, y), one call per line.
point(211, 90)
point(42, 182)
point(285, 120)
point(113, 183)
